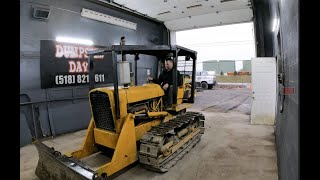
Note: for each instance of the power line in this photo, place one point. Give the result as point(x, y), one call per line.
point(219, 44)
point(210, 45)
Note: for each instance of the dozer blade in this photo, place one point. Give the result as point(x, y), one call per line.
point(54, 165)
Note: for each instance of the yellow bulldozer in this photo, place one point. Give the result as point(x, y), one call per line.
point(130, 123)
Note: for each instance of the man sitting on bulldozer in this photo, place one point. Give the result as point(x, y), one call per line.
point(165, 80)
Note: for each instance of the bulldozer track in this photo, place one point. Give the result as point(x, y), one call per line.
point(151, 154)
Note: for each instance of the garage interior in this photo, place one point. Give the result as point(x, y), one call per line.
point(230, 148)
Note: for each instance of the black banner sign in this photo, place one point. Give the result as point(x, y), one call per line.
point(64, 64)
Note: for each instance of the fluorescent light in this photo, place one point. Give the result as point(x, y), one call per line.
point(275, 24)
point(108, 19)
point(74, 40)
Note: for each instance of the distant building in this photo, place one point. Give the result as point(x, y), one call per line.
point(225, 66)
point(247, 65)
point(218, 66)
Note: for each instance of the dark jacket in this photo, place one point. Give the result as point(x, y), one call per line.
point(167, 77)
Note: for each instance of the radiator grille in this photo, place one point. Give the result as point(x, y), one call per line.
point(101, 110)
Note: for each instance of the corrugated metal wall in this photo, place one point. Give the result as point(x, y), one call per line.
point(287, 122)
point(51, 117)
point(287, 128)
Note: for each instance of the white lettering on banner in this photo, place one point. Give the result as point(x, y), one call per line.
point(59, 51)
point(85, 53)
point(66, 51)
point(74, 53)
point(72, 66)
point(69, 51)
point(81, 51)
point(78, 67)
point(85, 66)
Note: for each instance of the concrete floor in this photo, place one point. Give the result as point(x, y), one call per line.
point(230, 149)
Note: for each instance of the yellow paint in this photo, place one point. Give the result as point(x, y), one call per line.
point(156, 106)
point(180, 94)
point(156, 114)
point(182, 132)
point(111, 99)
point(129, 95)
point(180, 107)
point(166, 147)
point(143, 128)
point(126, 150)
point(183, 106)
point(176, 147)
point(123, 141)
point(187, 138)
point(122, 103)
point(106, 138)
point(88, 145)
point(168, 118)
point(140, 93)
point(140, 112)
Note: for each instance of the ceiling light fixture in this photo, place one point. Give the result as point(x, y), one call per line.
point(74, 40)
point(108, 19)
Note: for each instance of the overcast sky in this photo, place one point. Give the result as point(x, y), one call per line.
point(229, 42)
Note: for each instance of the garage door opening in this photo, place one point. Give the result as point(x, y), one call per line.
point(224, 55)
point(226, 52)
